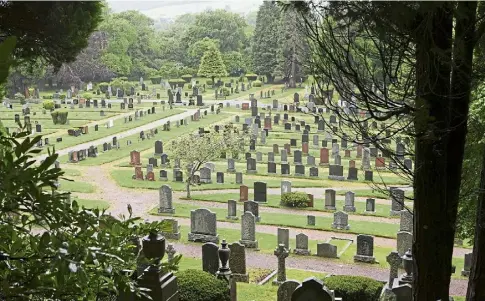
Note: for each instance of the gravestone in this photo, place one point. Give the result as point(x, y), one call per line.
point(271, 167)
point(203, 226)
point(302, 244)
point(370, 205)
point(324, 157)
point(248, 230)
point(330, 199)
point(158, 148)
point(251, 166)
point(286, 289)
point(310, 220)
point(313, 172)
point(281, 253)
point(397, 201)
point(283, 237)
point(239, 178)
point(210, 258)
point(352, 174)
point(467, 265)
point(237, 262)
point(163, 175)
point(365, 249)
point(220, 177)
point(326, 250)
point(299, 170)
point(260, 192)
point(340, 221)
point(231, 209)
point(404, 242)
point(406, 223)
point(368, 176)
point(165, 200)
point(243, 193)
point(253, 207)
point(314, 290)
point(205, 175)
point(349, 202)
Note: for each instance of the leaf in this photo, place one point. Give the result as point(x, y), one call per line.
point(6, 58)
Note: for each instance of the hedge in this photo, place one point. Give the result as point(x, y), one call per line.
point(59, 117)
point(257, 83)
point(295, 199)
point(186, 77)
point(48, 104)
point(156, 80)
point(354, 288)
point(251, 76)
point(196, 285)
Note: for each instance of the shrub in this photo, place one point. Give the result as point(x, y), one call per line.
point(59, 117)
point(20, 97)
point(156, 80)
point(186, 77)
point(48, 104)
point(189, 86)
point(123, 78)
point(196, 285)
point(295, 199)
point(354, 288)
point(257, 83)
point(87, 95)
point(209, 82)
point(226, 91)
point(251, 76)
point(103, 87)
point(176, 82)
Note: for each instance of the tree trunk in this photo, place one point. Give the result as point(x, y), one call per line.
point(188, 188)
point(432, 266)
point(464, 43)
point(269, 78)
point(476, 289)
point(292, 83)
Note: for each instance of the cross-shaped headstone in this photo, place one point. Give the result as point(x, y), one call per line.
point(394, 261)
point(281, 253)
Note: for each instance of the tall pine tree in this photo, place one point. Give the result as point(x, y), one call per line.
point(212, 64)
point(293, 48)
point(265, 40)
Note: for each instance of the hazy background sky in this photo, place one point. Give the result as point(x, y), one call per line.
point(169, 9)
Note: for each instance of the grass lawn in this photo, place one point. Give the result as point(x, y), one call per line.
point(274, 201)
point(76, 186)
point(267, 244)
point(125, 150)
point(93, 204)
point(119, 126)
point(71, 172)
point(123, 179)
point(297, 221)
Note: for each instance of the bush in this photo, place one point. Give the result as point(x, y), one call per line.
point(48, 104)
point(156, 80)
point(20, 97)
point(59, 117)
point(257, 83)
point(354, 288)
point(189, 86)
point(251, 76)
point(176, 82)
point(186, 77)
point(196, 285)
point(295, 199)
point(103, 87)
point(226, 91)
point(87, 95)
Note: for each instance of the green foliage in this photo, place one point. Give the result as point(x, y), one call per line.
point(20, 97)
point(226, 91)
point(251, 76)
point(265, 39)
point(48, 104)
point(6, 60)
point(176, 82)
point(197, 50)
point(295, 199)
point(186, 77)
point(82, 254)
point(234, 62)
point(211, 64)
point(59, 117)
point(196, 285)
point(354, 288)
point(257, 83)
point(41, 39)
point(103, 87)
point(87, 95)
point(156, 80)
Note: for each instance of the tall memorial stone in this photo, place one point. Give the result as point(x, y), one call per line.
point(210, 258)
point(365, 249)
point(330, 199)
point(237, 262)
point(340, 221)
point(248, 230)
point(165, 200)
point(397, 201)
point(349, 202)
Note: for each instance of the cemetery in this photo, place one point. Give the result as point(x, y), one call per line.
point(213, 179)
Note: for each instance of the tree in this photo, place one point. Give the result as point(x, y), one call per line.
point(196, 150)
point(53, 31)
point(293, 48)
point(235, 63)
point(212, 64)
point(224, 26)
point(197, 50)
point(52, 248)
point(421, 88)
point(265, 40)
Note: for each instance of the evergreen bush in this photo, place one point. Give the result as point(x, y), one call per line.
point(48, 104)
point(196, 285)
point(354, 288)
point(251, 76)
point(257, 83)
point(295, 199)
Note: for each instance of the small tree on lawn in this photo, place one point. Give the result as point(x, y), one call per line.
point(212, 64)
point(195, 150)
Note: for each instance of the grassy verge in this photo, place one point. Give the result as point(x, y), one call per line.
point(93, 204)
point(76, 186)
